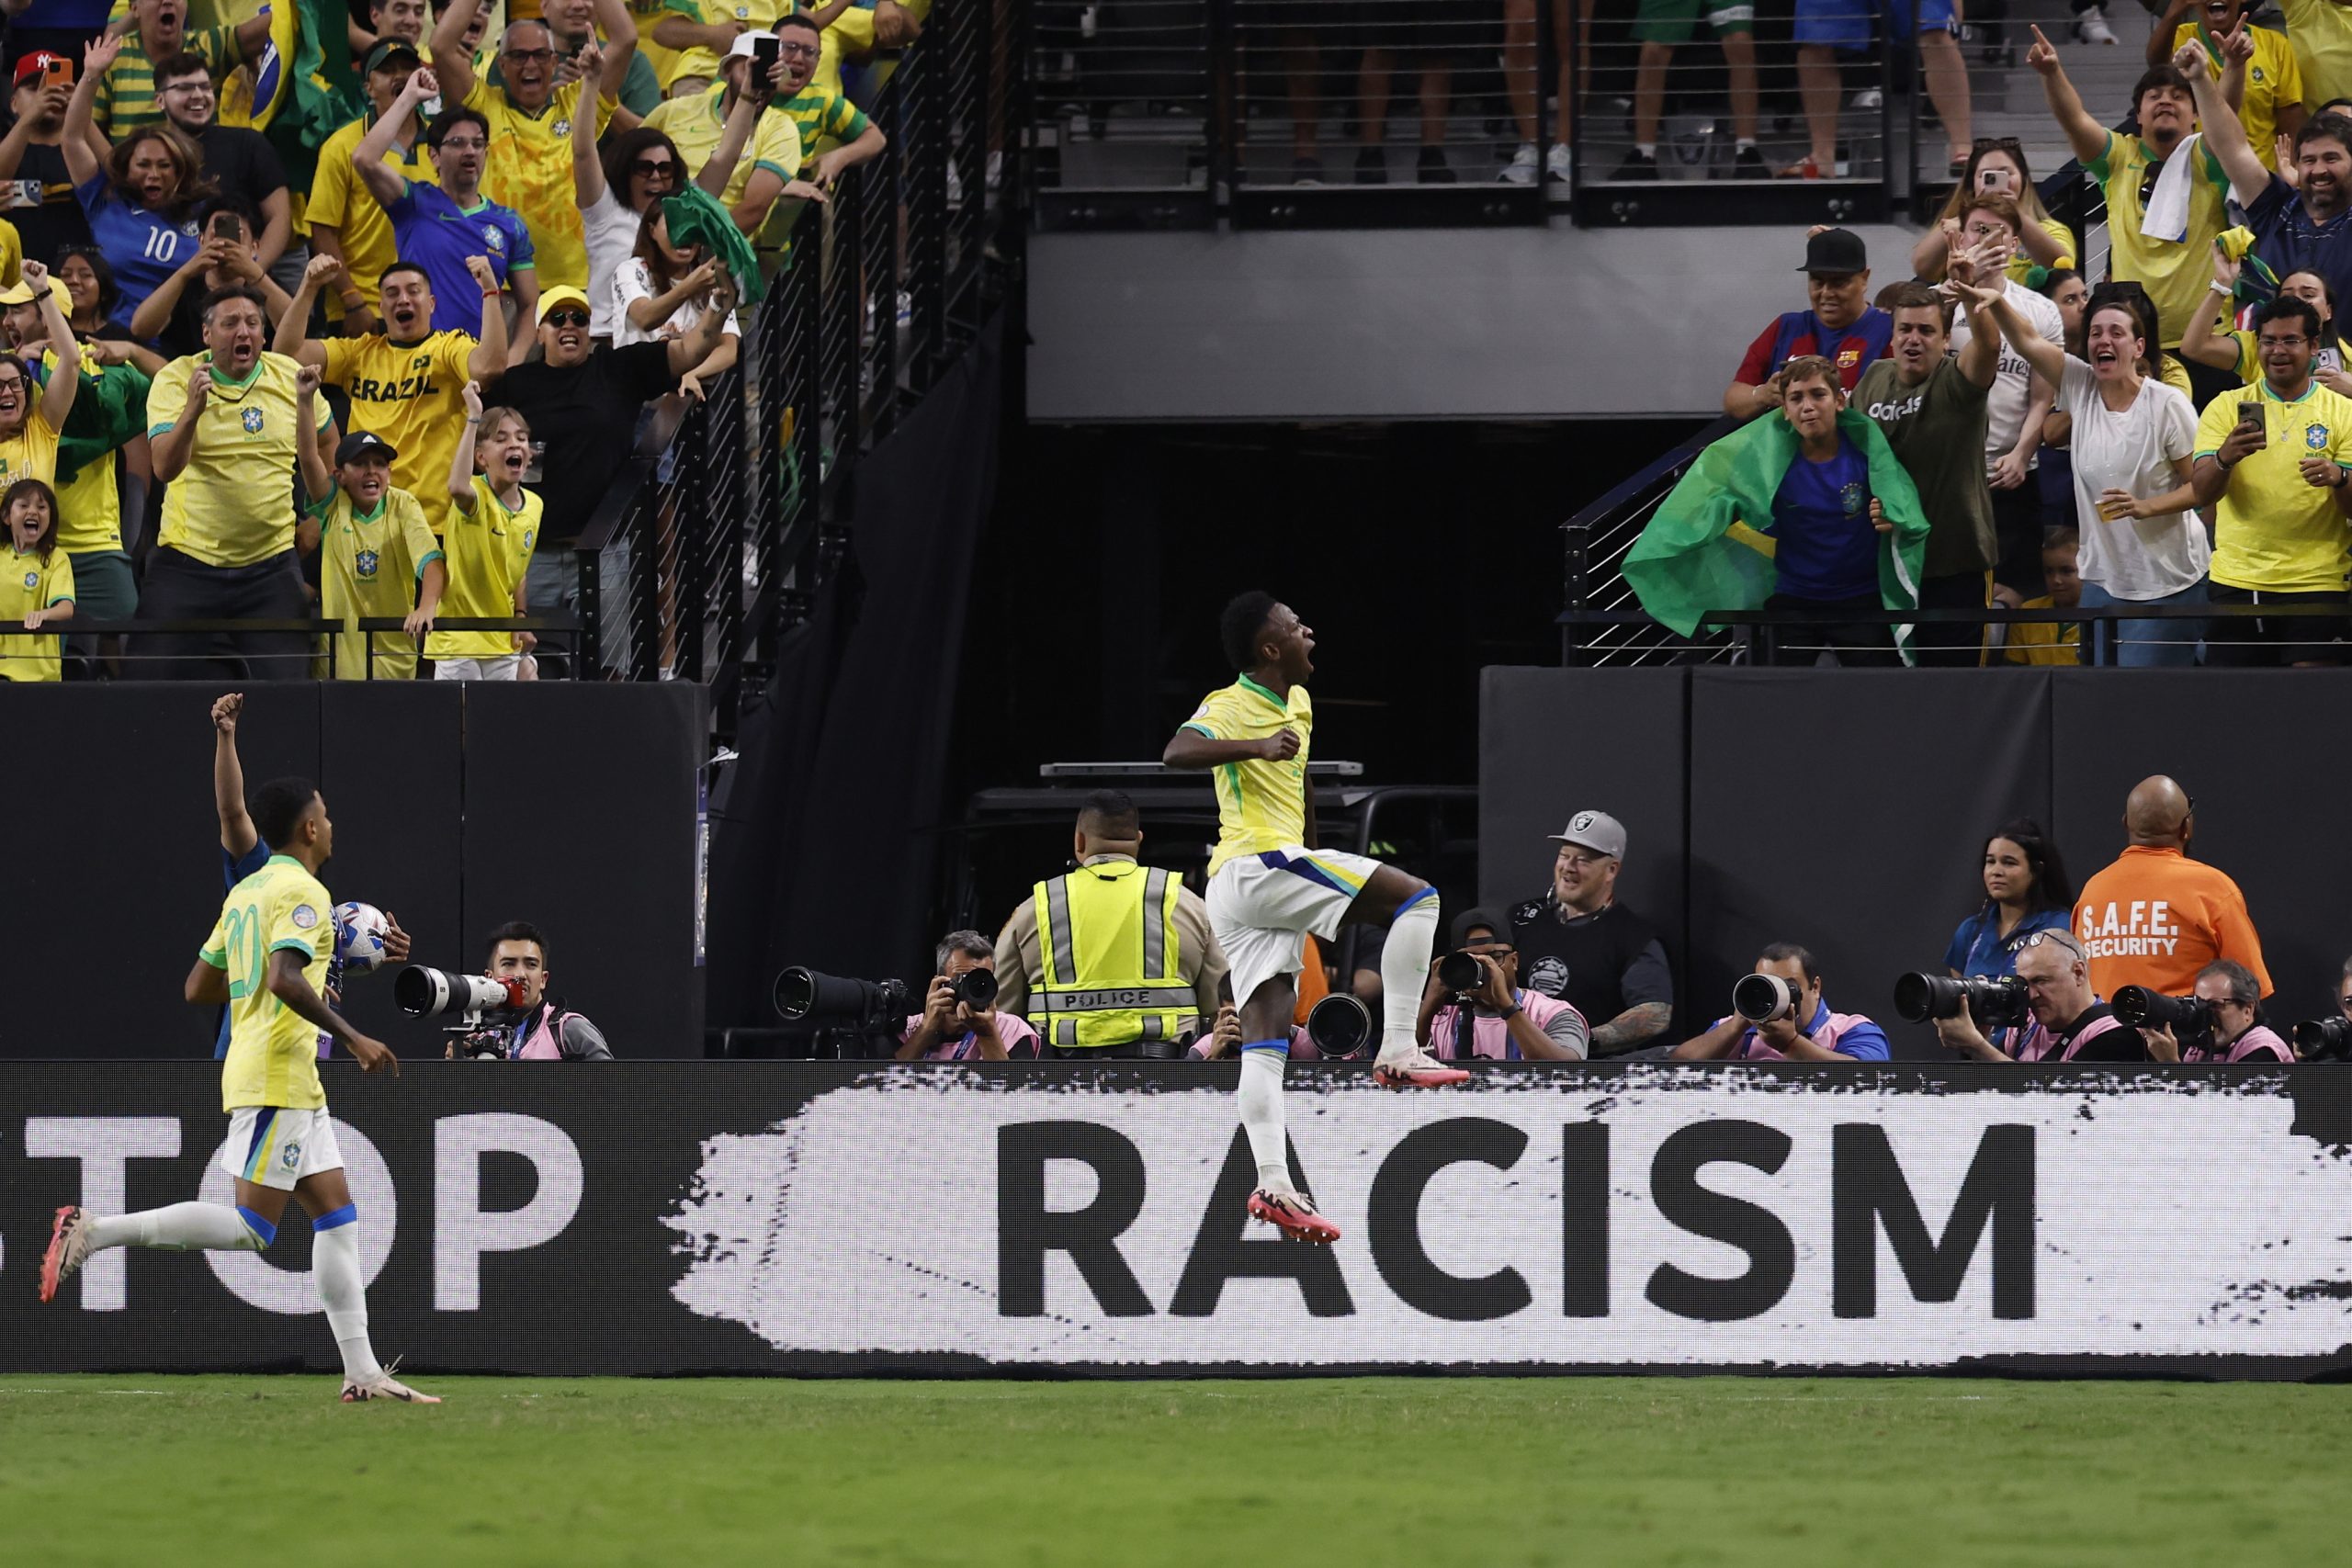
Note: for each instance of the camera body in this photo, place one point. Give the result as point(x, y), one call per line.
point(1993, 1003)
point(1761, 999)
point(2324, 1040)
point(2137, 1005)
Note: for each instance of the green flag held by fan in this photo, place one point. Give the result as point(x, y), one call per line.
point(1710, 545)
point(697, 218)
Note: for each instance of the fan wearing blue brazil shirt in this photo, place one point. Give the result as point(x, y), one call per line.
point(2026, 890)
point(242, 852)
point(437, 227)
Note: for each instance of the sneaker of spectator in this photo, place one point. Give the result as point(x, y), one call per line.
point(2090, 26)
point(1521, 169)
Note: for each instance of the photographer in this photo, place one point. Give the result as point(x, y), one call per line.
point(1826, 1036)
point(2070, 1023)
point(2233, 999)
point(545, 1032)
point(951, 1027)
point(1501, 1023)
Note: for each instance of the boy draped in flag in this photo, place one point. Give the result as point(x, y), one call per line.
point(1808, 510)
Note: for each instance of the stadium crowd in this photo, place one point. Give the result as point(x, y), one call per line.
point(1995, 429)
point(288, 340)
point(1116, 959)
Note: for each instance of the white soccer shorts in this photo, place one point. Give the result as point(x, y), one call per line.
point(270, 1146)
point(508, 668)
point(1259, 906)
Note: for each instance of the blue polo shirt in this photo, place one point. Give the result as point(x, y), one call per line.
point(1979, 950)
point(430, 228)
point(234, 869)
point(1865, 1042)
point(2287, 238)
point(1825, 547)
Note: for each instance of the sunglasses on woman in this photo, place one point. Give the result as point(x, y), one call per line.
point(649, 168)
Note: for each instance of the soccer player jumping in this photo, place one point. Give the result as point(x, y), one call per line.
point(1267, 888)
point(266, 959)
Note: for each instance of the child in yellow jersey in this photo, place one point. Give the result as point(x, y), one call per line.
point(493, 526)
point(374, 551)
point(36, 584)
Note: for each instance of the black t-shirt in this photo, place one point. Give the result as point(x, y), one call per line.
point(2121, 1044)
point(242, 162)
point(587, 415)
point(47, 214)
point(1601, 964)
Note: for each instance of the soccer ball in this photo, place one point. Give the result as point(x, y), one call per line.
point(359, 936)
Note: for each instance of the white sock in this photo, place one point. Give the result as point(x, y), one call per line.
point(185, 1227)
point(1404, 970)
point(335, 1267)
point(1742, 143)
point(1261, 1100)
point(1646, 149)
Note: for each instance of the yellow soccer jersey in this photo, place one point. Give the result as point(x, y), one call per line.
point(234, 504)
point(2271, 530)
point(273, 1049)
point(757, 15)
point(695, 125)
point(2272, 80)
point(1261, 805)
point(29, 582)
point(2176, 275)
point(529, 169)
point(487, 555)
point(2321, 32)
point(337, 199)
point(31, 453)
point(414, 396)
point(90, 508)
point(369, 566)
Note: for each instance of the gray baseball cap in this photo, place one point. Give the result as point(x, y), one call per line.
point(1594, 830)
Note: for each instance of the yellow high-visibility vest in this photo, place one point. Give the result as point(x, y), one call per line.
point(1112, 976)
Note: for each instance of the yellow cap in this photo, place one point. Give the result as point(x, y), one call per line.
point(22, 294)
point(562, 294)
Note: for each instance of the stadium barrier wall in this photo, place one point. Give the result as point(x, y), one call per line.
point(457, 806)
point(838, 1219)
point(1847, 809)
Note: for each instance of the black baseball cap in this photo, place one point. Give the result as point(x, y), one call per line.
point(360, 443)
point(387, 50)
point(1840, 251)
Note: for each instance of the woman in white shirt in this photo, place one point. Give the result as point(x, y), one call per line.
point(615, 191)
point(2133, 448)
point(663, 292)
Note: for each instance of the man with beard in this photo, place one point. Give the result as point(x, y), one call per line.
point(581, 398)
point(40, 189)
point(2302, 227)
point(443, 227)
point(240, 161)
point(126, 97)
point(407, 383)
point(2131, 169)
point(225, 427)
point(529, 119)
point(376, 556)
point(1579, 945)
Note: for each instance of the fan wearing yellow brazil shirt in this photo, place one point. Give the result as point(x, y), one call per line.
point(266, 960)
point(375, 552)
point(529, 163)
point(404, 382)
point(494, 528)
point(35, 582)
point(1269, 887)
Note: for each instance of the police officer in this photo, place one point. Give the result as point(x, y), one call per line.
point(1114, 958)
point(1578, 946)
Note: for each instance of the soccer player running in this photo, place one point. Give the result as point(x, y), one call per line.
point(265, 958)
point(1267, 888)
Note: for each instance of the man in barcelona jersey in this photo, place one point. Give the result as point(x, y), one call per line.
point(1269, 887)
point(266, 959)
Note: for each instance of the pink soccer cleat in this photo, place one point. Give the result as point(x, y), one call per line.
point(69, 1245)
point(1293, 1214)
point(1415, 1068)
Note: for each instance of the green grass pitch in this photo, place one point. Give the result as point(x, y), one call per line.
point(187, 1471)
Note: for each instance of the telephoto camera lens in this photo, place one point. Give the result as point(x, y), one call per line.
point(1759, 999)
point(2137, 1005)
point(1992, 1002)
point(2323, 1039)
point(976, 988)
point(421, 992)
point(1340, 1025)
point(1460, 972)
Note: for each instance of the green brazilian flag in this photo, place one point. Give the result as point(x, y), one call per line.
point(1702, 552)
